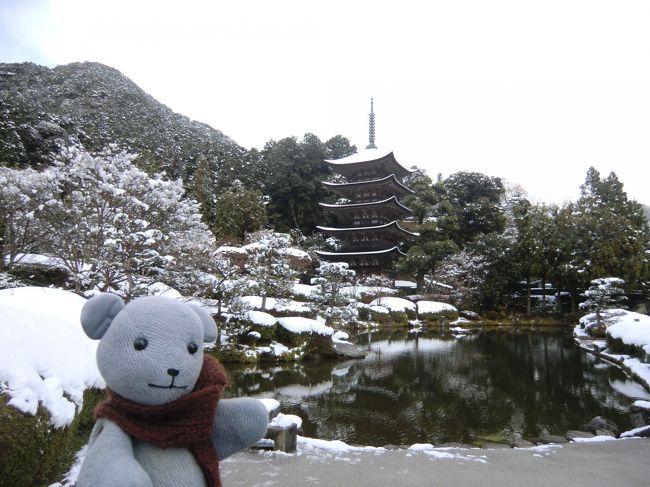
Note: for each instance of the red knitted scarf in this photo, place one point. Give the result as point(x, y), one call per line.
point(187, 422)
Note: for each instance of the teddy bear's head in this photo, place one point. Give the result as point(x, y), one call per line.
point(151, 350)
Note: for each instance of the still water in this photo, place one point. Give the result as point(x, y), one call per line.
point(436, 388)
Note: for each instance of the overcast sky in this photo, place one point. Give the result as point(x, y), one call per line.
point(532, 91)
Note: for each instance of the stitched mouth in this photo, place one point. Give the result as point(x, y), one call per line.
point(170, 386)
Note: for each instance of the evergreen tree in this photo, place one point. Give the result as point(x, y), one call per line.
point(268, 265)
point(603, 293)
point(332, 302)
point(239, 211)
point(612, 232)
point(295, 173)
point(474, 206)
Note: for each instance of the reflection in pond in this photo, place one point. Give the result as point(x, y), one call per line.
point(436, 388)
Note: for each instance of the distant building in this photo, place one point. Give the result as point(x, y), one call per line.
point(369, 209)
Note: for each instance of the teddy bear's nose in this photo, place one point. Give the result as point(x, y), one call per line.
point(172, 372)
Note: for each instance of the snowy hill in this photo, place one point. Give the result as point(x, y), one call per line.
point(94, 105)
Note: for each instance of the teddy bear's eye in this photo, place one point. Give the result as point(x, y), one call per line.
point(192, 347)
point(140, 343)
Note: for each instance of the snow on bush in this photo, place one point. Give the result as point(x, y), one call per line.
point(394, 304)
point(261, 318)
point(434, 307)
point(255, 302)
point(632, 329)
point(44, 354)
point(297, 324)
point(379, 309)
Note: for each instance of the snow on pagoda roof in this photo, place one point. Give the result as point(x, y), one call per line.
point(370, 203)
point(366, 155)
point(377, 227)
point(365, 183)
point(361, 156)
point(372, 252)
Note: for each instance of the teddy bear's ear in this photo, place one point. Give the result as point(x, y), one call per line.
point(98, 313)
point(209, 326)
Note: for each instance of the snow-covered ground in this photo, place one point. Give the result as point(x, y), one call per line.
point(45, 357)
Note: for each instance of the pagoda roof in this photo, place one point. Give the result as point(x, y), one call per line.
point(369, 157)
point(388, 201)
point(390, 179)
point(392, 250)
point(392, 225)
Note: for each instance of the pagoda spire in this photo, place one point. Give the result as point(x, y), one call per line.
point(371, 127)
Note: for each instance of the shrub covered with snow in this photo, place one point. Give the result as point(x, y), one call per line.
point(629, 330)
point(434, 310)
point(48, 377)
point(400, 309)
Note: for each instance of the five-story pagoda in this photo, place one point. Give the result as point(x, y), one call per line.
point(369, 209)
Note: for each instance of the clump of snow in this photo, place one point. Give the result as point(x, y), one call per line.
point(642, 431)
point(286, 420)
point(460, 321)
point(632, 329)
point(255, 302)
point(45, 357)
point(434, 307)
point(340, 337)
point(379, 309)
point(642, 404)
point(595, 439)
point(275, 348)
point(393, 304)
point(261, 318)
point(334, 446)
point(296, 324)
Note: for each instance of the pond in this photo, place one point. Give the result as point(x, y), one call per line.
point(436, 388)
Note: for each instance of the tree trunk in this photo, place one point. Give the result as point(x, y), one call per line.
point(528, 306)
point(419, 282)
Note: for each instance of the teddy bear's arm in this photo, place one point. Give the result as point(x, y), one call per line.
point(109, 459)
point(239, 424)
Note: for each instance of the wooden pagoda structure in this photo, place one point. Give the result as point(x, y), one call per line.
point(370, 210)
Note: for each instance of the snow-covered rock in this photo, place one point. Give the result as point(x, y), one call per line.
point(296, 324)
point(45, 357)
point(434, 307)
point(394, 304)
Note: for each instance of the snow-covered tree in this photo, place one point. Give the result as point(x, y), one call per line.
point(268, 265)
point(114, 226)
point(603, 293)
point(331, 300)
point(24, 196)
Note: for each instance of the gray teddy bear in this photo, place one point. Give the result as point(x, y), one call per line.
point(163, 423)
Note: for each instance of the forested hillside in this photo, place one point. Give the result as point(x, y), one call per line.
point(92, 105)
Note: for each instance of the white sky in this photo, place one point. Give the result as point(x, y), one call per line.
point(532, 91)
